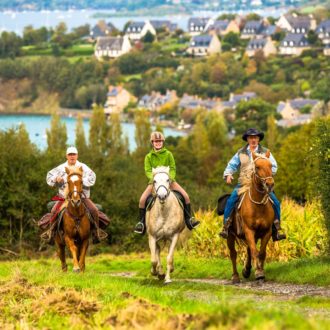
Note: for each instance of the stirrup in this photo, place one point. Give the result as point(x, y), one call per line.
point(224, 233)
point(194, 223)
point(139, 228)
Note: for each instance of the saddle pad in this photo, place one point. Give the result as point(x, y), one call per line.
point(222, 204)
point(151, 200)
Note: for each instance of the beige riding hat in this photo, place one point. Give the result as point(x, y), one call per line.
point(157, 136)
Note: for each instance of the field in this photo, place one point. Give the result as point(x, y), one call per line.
point(118, 292)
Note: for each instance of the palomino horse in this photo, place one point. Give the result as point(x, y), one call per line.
point(256, 216)
point(75, 224)
point(164, 222)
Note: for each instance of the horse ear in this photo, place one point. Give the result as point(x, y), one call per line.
point(167, 169)
point(153, 171)
point(267, 153)
point(67, 170)
point(81, 169)
point(254, 155)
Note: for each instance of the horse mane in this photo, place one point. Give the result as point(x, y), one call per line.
point(160, 169)
point(246, 175)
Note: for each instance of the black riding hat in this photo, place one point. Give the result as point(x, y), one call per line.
point(253, 131)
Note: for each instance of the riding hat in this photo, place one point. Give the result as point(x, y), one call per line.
point(71, 150)
point(253, 132)
point(157, 136)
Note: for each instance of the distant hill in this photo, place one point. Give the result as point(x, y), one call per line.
point(134, 5)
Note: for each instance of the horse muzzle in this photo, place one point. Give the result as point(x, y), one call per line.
point(76, 203)
point(269, 187)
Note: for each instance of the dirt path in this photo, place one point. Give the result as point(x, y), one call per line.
point(280, 289)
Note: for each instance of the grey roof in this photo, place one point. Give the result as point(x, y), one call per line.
point(300, 120)
point(297, 104)
point(197, 21)
point(299, 22)
point(136, 25)
point(113, 92)
point(228, 104)
point(253, 27)
point(323, 27)
point(157, 24)
point(269, 30)
point(99, 30)
point(294, 40)
point(246, 96)
point(201, 41)
point(219, 25)
point(112, 43)
point(257, 43)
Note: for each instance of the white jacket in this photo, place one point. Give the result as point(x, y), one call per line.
point(89, 177)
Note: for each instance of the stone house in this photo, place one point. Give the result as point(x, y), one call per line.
point(203, 45)
point(196, 25)
point(156, 100)
point(296, 24)
point(253, 29)
point(323, 31)
point(222, 27)
point(102, 29)
point(112, 47)
point(266, 45)
point(137, 30)
point(294, 44)
point(117, 99)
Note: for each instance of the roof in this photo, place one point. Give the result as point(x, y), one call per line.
point(257, 43)
point(269, 30)
point(199, 21)
point(297, 104)
point(253, 26)
point(246, 96)
point(157, 24)
point(323, 27)
point(101, 29)
point(298, 22)
point(201, 41)
point(112, 43)
point(136, 25)
point(294, 40)
point(219, 25)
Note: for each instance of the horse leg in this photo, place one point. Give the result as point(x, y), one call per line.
point(82, 256)
point(247, 265)
point(61, 253)
point(74, 251)
point(233, 257)
point(160, 271)
point(169, 259)
point(153, 256)
point(250, 239)
point(259, 272)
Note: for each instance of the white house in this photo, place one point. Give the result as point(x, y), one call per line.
point(137, 30)
point(204, 45)
point(112, 47)
point(266, 45)
point(294, 44)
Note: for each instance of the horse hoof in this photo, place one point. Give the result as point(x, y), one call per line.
point(76, 270)
point(246, 273)
point(260, 276)
point(168, 281)
point(161, 276)
point(235, 279)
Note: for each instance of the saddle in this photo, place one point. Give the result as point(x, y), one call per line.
point(151, 200)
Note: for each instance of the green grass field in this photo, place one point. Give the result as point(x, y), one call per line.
point(118, 292)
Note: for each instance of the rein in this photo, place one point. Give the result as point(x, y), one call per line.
point(168, 191)
point(263, 180)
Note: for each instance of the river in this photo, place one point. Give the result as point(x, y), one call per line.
point(36, 126)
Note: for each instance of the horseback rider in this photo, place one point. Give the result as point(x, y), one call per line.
point(160, 156)
point(57, 177)
point(240, 161)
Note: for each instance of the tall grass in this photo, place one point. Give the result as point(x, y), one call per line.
point(307, 235)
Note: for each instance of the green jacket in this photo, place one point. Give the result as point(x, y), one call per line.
point(163, 157)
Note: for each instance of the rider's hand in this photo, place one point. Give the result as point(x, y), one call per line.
point(59, 179)
point(229, 179)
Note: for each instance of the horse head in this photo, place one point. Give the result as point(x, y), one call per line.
point(263, 171)
point(75, 186)
point(161, 182)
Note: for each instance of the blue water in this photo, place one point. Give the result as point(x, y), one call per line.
point(36, 126)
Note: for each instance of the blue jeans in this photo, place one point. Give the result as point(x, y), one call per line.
point(233, 198)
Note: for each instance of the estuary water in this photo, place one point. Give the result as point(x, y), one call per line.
point(36, 126)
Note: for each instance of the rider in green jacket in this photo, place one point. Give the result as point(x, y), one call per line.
point(160, 156)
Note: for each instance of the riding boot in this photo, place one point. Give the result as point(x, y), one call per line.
point(98, 234)
point(140, 227)
point(49, 235)
point(225, 228)
point(190, 221)
point(277, 233)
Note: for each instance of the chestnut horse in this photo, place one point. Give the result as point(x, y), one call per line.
point(75, 223)
point(254, 219)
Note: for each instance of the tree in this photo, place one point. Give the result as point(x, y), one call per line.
point(142, 131)
point(272, 135)
point(98, 131)
point(252, 113)
point(80, 137)
point(118, 145)
point(216, 128)
point(56, 137)
point(148, 38)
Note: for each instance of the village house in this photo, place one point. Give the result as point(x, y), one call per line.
point(156, 100)
point(137, 30)
point(164, 24)
point(204, 45)
point(294, 44)
point(326, 50)
point(323, 31)
point(102, 29)
point(196, 25)
point(266, 45)
point(296, 24)
point(253, 29)
point(234, 99)
point(292, 111)
point(117, 99)
point(222, 27)
point(111, 47)
point(194, 102)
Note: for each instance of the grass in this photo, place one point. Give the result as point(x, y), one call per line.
point(36, 294)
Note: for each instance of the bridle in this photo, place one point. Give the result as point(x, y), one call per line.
point(263, 181)
point(162, 201)
point(80, 193)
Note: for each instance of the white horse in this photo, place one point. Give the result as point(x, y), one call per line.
point(165, 221)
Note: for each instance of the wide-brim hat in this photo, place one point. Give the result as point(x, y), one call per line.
point(253, 132)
